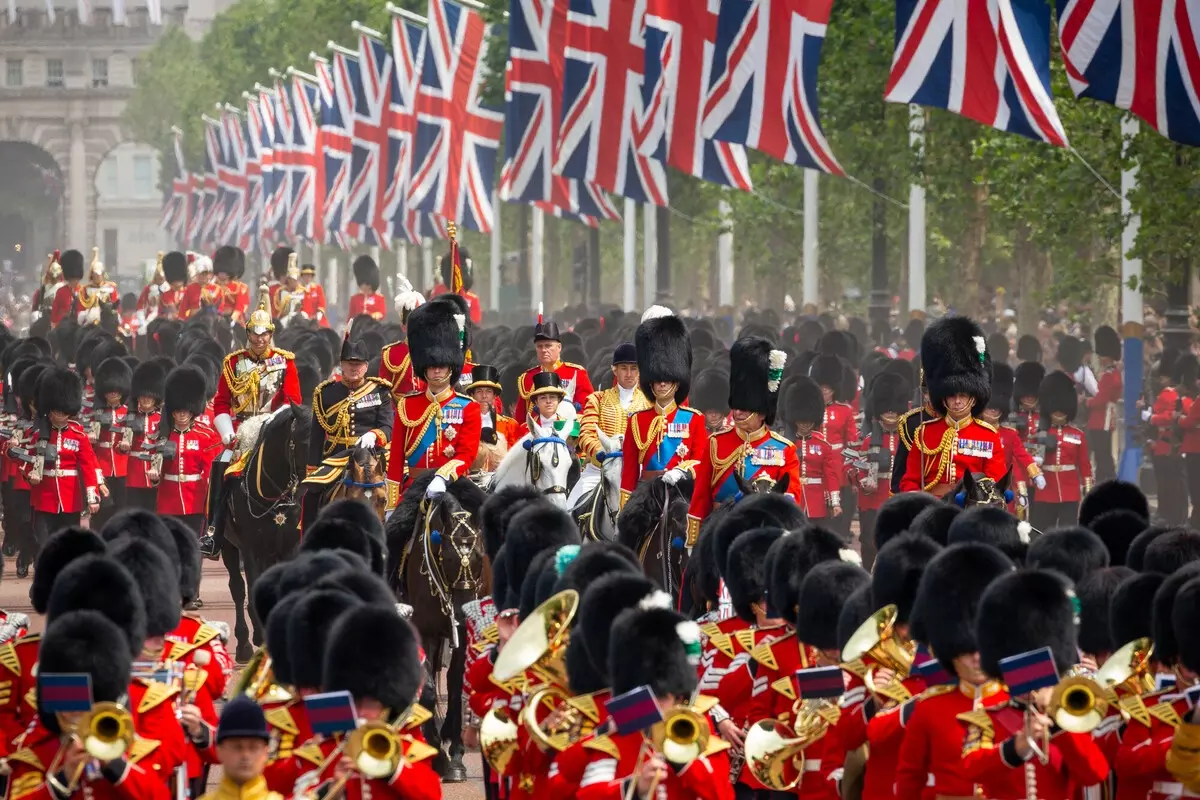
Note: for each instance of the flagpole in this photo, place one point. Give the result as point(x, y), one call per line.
point(537, 292)
point(404, 13)
point(358, 27)
point(494, 267)
point(629, 295)
point(426, 265)
point(1132, 321)
point(649, 254)
point(725, 255)
point(333, 46)
point(916, 219)
point(811, 246)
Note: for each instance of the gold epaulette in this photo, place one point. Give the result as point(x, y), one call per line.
point(140, 749)
point(33, 637)
point(310, 752)
point(156, 694)
point(765, 653)
point(603, 744)
point(902, 428)
point(1183, 759)
point(980, 719)
point(724, 643)
point(9, 659)
point(325, 383)
point(194, 678)
point(586, 704)
point(28, 757)
point(1165, 712)
point(855, 667)
point(936, 691)
point(417, 717)
point(203, 635)
point(27, 784)
point(417, 751)
point(715, 745)
point(281, 719)
point(745, 638)
point(786, 441)
point(987, 425)
point(284, 353)
point(710, 629)
point(785, 687)
point(704, 703)
point(1135, 707)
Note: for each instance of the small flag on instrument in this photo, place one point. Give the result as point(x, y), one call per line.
point(818, 682)
point(634, 711)
point(1028, 672)
point(1164, 681)
point(930, 669)
point(331, 713)
point(64, 692)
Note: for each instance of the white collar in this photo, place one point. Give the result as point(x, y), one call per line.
point(625, 395)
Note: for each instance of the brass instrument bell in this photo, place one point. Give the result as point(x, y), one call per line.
point(498, 738)
point(1077, 704)
point(877, 644)
point(375, 749)
point(681, 737)
point(1128, 669)
point(539, 644)
point(106, 731)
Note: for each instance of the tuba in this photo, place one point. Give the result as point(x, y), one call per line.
point(1128, 670)
point(498, 738)
point(539, 644)
point(877, 644)
point(775, 751)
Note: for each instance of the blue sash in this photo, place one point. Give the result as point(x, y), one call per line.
point(432, 430)
point(752, 464)
point(667, 448)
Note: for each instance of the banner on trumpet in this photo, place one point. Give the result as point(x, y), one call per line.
point(331, 713)
point(1027, 672)
point(65, 692)
point(820, 682)
point(634, 711)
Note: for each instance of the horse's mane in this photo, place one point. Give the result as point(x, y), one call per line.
point(642, 511)
point(515, 455)
point(403, 521)
point(468, 495)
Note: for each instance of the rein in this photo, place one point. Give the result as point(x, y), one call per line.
point(534, 467)
point(286, 497)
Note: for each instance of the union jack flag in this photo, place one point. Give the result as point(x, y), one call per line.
point(604, 116)
point(177, 206)
point(458, 137)
point(408, 47)
point(337, 144)
point(368, 174)
point(537, 35)
point(988, 60)
point(762, 91)
point(275, 217)
point(680, 40)
point(210, 207)
point(304, 207)
point(232, 176)
point(248, 238)
point(1140, 56)
point(262, 115)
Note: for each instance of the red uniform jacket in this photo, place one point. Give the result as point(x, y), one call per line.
point(475, 308)
point(29, 764)
point(568, 766)
point(289, 729)
point(729, 454)
point(821, 472)
point(574, 377)
point(840, 431)
point(273, 359)
point(18, 659)
point(198, 296)
point(314, 303)
point(71, 482)
point(1068, 469)
point(113, 462)
point(1162, 418)
point(373, 305)
point(395, 367)
point(612, 759)
point(136, 477)
point(872, 501)
point(431, 434)
point(990, 760)
point(1190, 424)
point(975, 448)
point(183, 487)
point(657, 442)
point(64, 304)
point(194, 635)
point(153, 708)
point(414, 779)
point(236, 301)
point(1102, 408)
point(1140, 765)
point(930, 761)
point(168, 301)
point(1016, 456)
point(884, 733)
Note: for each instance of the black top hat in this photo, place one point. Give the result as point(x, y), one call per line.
point(485, 376)
point(625, 353)
point(547, 383)
point(242, 718)
point(547, 332)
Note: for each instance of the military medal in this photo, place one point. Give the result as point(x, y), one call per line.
point(682, 450)
point(450, 432)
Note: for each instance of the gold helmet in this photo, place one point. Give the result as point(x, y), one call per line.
point(260, 320)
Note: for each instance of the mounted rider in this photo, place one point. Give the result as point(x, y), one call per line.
point(547, 342)
point(750, 449)
point(99, 294)
point(608, 410)
point(52, 281)
point(498, 432)
point(229, 265)
point(254, 381)
point(65, 298)
point(461, 284)
point(203, 293)
point(287, 299)
point(313, 305)
point(395, 365)
point(666, 438)
point(353, 410)
point(437, 429)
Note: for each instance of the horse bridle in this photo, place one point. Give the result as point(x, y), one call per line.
point(431, 566)
point(350, 483)
point(285, 498)
point(534, 467)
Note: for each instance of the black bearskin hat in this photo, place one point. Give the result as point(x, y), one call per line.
point(935, 521)
point(1117, 529)
point(827, 370)
point(603, 602)
point(954, 355)
point(71, 262)
point(113, 375)
point(858, 608)
point(372, 651)
point(366, 271)
point(535, 528)
point(467, 267)
point(363, 517)
point(897, 513)
point(62, 548)
point(824, 591)
point(307, 568)
point(897, 572)
point(990, 525)
point(187, 550)
point(1095, 599)
point(656, 647)
point(1172, 551)
point(98, 583)
point(948, 596)
point(1166, 646)
point(229, 260)
point(664, 353)
point(1108, 343)
point(1027, 379)
point(1131, 607)
point(755, 371)
point(703, 568)
point(435, 332)
point(710, 392)
point(1070, 353)
point(1111, 495)
point(309, 626)
point(265, 593)
point(175, 267)
point(1029, 349)
point(1136, 557)
point(85, 642)
point(278, 627)
point(499, 509)
point(1074, 552)
point(1057, 395)
point(336, 534)
point(802, 402)
point(149, 379)
point(1027, 610)
point(366, 586)
point(755, 511)
point(792, 557)
point(594, 561)
point(59, 389)
point(1185, 619)
point(138, 523)
point(889, 392)
point(186, 390)
point(157, 577)
point(27, 386)
point(1002, 388)
point(998, 347)
point(106, 347)
point(745, 569)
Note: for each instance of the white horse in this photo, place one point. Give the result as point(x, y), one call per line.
point(541, 458)
point(595, 501)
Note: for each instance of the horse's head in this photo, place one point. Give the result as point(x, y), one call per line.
point(455, 542)
point(288, 428)
point(977, 489)
point(548, 461)
point(761, 484)
point(366, 479)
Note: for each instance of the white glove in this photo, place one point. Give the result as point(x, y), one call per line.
point(437, 487)
point(1038, 460)
point(1040, 481)
point(224, 425)
point(673, 476)
point(164, 287)
point(368, 439)
point(1145, 415)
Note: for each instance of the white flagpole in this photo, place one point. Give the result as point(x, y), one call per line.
point(649, 254)
point(118, 11)
point(85, 11)
point(426, 265)
point(916, 219)
point(537, 293)
point(725, 255)
point(629, 296)
point(50, 11)
point(811, 246)
point(496, 253)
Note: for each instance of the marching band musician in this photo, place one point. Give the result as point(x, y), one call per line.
point(229, 264)
point(110, 433)
point(98, 295)
point(1017, 458)
point(395, 365)
point(52, 281)
point(749, 449)
point(242, 747)
point(1015, 750)
point(660, 649)
point(1183, 729)
point(353, 410)
point(958, 374)
point(887, 401)
point(436, 429)
point(1068, 470)
point(257, 379)
point(1102, 408)
point(146, 387)
point(189, 452)
point(547, 343)
point(287, 299)
point(497, 432)
point(818, 464)
point(607, 410)
point(66, 298)
point(368, 301)
point(666, 438)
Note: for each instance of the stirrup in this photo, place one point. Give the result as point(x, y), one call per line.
point(208, 545)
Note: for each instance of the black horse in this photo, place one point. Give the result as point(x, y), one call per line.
point(261, 515)
point(977, 489)
point(654, 523)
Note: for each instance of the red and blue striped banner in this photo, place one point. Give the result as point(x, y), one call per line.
point(1028, 672)
point(634, 711)
point(331, 713)
point(65, 692)
point(819, 682)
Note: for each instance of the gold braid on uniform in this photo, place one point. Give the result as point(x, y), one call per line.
point(942, 451)
point(244, 388)
point(426, 418)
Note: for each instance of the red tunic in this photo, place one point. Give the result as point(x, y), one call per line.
point(1140, 764)
point(431, 434)
point(1162, 418)
point(137, 477)
point(153, 708)
point(395, 367)
point(236, 301)
point(373, 305)
point(475, 308)
point(113, 462)
point(884, 733)
point(414, 778)
point(976, 448)
point(313, 305)
point(1068, 469)
point(820, 467)
point(729, 454)
point(194, 635)
point(574, 377)
point(64, 304)
point(612, 760)
point(872, 501)
point(183, 487)
point(18, 659)
point(1190, 424)
point(840, 431)
point(657, 442)
point(198, 296)
point(272, 360)
point(289, 729)
point(1017, 458)
point(1102, 407)
point(72, 479)
point(29, 764)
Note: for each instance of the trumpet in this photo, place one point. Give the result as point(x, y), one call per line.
point(877, 644)
point(1078, 703)
point(561, 733)
point(681, 737)
point(105, 731)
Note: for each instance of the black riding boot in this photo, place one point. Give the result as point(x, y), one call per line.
point(214, 536)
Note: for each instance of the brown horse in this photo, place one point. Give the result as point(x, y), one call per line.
point(365, 479)
point(436, 563)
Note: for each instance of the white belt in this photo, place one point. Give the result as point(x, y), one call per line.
point(812, 481)
point(104, 445)
point(929, 780)
point(183, 478)
point(1171, 789)
point(837, 446)
point(812, 765)
point(1059, 468)
point(61, 473)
